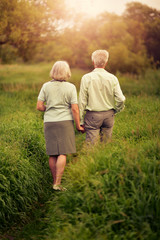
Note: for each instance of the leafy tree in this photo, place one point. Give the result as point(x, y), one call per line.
point(8, 53)
point(152, 40)
point(24, 23)
point(123, 60)
point(144, 24)
point(114, 31)
point(42, 30)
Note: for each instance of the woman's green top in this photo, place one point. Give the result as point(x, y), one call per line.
point(58, 96)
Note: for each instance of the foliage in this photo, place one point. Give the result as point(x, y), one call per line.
point(148, 25)
point(26, 23)
point(45, 30)
point(126, 61)
point(8, 53)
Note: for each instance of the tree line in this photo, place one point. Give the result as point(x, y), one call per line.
point(46, 30)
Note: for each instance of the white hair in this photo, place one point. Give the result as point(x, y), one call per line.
point(60, 71)
point(100, 58)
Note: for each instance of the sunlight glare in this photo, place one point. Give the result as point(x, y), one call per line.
point(83, 6)
point(95, 7)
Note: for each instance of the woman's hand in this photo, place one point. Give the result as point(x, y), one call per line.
point(75, 113)
point(40, 106)
point(81, 129)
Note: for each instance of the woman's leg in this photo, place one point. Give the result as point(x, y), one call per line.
point(52, 165)
point(60, 165)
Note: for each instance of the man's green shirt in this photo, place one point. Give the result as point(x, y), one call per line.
point(100, 91)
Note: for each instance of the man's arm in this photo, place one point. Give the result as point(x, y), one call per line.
point(119, 107)
point(119, 98)
point(40, 106)
point(83, 97)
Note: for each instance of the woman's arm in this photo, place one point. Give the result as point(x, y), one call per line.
point(83, 96)
point(75, 112)
point(40, 106)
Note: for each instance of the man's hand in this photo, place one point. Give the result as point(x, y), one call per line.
point(81, 129)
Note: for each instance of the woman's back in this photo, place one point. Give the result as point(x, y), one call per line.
point(58, 97)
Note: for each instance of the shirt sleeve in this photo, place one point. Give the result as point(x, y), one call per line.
point(74, 96)
point(83, 98)
point(119, 97)
point(41, 96)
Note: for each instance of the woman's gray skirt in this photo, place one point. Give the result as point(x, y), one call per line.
point(59, 137)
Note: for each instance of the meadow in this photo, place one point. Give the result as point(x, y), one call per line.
point(113, 188)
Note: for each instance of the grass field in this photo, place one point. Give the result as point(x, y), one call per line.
point(113, 189)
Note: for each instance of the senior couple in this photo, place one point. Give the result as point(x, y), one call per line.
point(100, 98)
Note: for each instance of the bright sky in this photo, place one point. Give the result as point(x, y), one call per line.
point(95, 7)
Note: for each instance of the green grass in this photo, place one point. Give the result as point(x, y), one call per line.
point(113, 189)
point(22, 77)
point(24, 74)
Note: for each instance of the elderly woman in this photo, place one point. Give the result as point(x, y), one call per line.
point(58, 100)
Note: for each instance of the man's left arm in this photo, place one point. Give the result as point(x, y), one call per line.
point(119, 98)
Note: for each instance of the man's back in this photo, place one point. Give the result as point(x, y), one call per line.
point(100, 86)
point(99, 91)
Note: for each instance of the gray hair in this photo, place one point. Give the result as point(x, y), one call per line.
point(100, 58)
point(60, 71)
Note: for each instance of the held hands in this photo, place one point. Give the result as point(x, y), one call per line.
point(81, 128)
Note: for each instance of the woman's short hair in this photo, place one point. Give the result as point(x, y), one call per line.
point(100, 58)
point(60, 71)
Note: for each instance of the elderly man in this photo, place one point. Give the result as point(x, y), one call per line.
point(101, 97)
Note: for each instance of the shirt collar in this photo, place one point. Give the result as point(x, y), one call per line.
point(99, 70)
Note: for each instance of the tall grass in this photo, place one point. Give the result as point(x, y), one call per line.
point(22, 77)
point(113, 189)
point(113, 194)
point(24, 173)
point(23, 170)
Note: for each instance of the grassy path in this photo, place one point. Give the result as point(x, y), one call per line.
point(37, 225)
point(113, 189)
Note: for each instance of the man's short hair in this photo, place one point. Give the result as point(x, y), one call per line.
point(100, 58)
point(60, 71)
